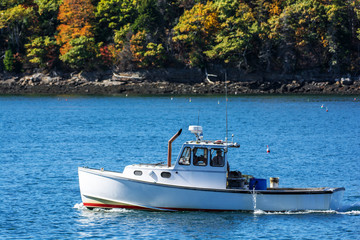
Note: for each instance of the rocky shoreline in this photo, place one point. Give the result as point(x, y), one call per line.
point(175, 82)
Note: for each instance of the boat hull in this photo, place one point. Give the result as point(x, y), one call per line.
point(109, 190)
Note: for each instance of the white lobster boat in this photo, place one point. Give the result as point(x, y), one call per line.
point(199, 180)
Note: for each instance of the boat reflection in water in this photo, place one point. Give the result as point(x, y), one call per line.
point(199, 180)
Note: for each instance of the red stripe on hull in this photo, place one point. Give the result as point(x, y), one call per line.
point(100, 205)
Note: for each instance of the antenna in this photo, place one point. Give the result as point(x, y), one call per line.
point(198, 117)
point(226, 100)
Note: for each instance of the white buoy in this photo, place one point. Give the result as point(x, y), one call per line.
point(267, 149)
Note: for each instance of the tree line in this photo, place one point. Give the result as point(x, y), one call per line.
point(253, 35)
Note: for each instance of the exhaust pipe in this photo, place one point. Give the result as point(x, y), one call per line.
point(169, 146)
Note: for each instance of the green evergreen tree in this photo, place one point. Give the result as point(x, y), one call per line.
point(149, 18)
point(9, 61)
point(112, 16)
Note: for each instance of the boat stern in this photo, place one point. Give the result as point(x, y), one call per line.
point(336, 198)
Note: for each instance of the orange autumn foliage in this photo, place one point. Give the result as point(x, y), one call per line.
point(276, 7)
point(76, 17)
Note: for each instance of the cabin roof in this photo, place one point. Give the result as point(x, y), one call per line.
point(213, 144)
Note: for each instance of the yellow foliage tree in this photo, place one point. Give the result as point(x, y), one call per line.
point(16, 21)
point(196, 31)
point(146, 54)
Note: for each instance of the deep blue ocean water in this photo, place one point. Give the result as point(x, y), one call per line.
point(44, 139)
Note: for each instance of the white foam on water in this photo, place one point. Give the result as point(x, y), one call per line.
point(259, 212)
point(353, 212)
point(80, 206)
point(111, 210)
point(117, 210)
point(353, 209)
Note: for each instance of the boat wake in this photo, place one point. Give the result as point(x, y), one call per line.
point(353, 209)
point(80, 206)
point(261, 212)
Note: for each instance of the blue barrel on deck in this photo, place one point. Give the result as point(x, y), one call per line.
point(259, 183)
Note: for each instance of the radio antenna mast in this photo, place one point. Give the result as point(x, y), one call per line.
point(198, 117)
point(226, 100)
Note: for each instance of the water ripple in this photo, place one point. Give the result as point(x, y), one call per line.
point(43, 140)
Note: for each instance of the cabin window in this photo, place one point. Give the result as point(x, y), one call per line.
point(185, 156)
point(217, 157)
point(165, 174)
point(137, 172)
point(200, 156)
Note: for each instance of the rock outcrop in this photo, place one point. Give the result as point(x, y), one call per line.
point(169, 81)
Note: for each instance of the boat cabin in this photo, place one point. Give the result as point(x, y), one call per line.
point(200, 163)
